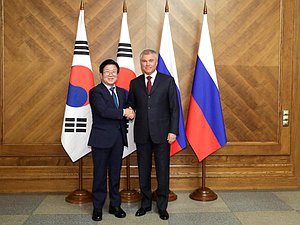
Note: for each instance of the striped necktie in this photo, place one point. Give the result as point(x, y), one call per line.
point(114, 96)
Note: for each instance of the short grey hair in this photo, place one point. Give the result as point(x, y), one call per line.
point(148, 51)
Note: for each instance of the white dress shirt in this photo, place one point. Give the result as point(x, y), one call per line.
point(153, 76)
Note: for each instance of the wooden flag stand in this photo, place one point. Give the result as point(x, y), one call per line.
point(80, 195)
point(172, 196)
point(203, 193)
point(129, 195)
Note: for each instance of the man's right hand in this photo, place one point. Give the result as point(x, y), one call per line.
point(129, 113)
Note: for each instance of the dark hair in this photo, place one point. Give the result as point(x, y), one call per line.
point(108, 62)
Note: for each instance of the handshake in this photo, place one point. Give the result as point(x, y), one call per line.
point(129, 113)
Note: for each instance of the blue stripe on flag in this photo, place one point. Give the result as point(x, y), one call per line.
point(207, 96)
point(161, 66)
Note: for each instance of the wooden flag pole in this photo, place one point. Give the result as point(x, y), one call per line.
point(79, 196)
point(203, 193)
point(172, 196)
point(129, 195)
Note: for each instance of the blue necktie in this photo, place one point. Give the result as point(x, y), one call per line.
point(114, 96)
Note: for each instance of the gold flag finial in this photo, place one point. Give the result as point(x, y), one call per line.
point(81, 5)
point(124, 6)
point(167, 6)
point(205, 8)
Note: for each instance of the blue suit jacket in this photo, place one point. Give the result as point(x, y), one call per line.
point(107, 119)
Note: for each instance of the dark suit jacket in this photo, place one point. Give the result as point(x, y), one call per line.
point(157, 114)
point(107, 119)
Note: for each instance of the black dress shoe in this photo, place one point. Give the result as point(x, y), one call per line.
point(97, 215)
point(117, 211)
point(142, 211)
point(163, 214)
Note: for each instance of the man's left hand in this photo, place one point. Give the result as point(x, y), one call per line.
point(171, 138)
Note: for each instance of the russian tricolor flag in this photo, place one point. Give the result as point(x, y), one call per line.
point(78, 115)
point(126, 74)
point(205, 128)
point(167, 65)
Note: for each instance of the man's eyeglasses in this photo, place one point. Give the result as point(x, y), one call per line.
point(107, 72)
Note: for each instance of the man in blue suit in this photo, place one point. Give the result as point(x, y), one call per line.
point(153, 96)
point(107, 138)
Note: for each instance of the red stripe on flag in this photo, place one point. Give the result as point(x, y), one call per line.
point(199, 133)
point(175, 147)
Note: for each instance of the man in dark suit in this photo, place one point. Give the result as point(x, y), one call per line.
point(107, 138)
point(153, 96)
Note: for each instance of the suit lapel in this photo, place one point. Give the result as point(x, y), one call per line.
point(120, 97)
point(107, 94)
point(142, 85)
point(156, 83)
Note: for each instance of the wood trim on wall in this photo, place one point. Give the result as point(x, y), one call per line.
point(59, 174)
point(296, 94)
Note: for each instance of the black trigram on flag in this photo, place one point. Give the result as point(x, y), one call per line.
point(81, 48)
point(75, 125)
point(124, 50)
